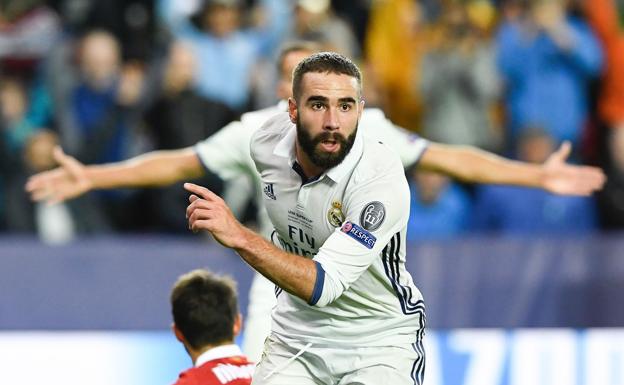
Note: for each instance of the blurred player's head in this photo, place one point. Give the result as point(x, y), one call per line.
point(327, 104)
point(310, 14)
point(205, 310)
point(13, 100)
point(181, 65)
point(290, 55)
point(221, 17)
point(100, 58)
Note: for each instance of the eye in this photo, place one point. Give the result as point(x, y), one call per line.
point(317, 106)
point(345, 107)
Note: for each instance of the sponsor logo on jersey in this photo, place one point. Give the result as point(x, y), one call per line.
point(372, 215)
point(359, 234)
point(227, 373)
point(335, 215)
point(268, 191)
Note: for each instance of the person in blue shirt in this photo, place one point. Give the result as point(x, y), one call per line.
point(226, 51)
point(439, 207)
point(546, 58)
point(520, 210)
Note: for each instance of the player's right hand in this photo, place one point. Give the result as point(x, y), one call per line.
point(67, 181)
point(208, 211)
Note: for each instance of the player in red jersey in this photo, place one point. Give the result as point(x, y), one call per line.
point(206, 320)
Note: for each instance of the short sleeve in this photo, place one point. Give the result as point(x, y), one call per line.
point(375, 211)
point(226, 153)
point(406, 144)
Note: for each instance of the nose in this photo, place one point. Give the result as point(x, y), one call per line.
point(331, 121)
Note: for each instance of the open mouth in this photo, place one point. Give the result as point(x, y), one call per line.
point(330, 145)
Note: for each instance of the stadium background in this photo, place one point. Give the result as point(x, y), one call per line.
point(521, 287)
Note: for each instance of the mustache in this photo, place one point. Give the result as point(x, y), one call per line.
point(334, 136)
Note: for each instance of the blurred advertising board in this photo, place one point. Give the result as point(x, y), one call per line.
point(557, 356)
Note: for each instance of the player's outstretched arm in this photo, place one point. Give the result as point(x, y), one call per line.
point(208, 212)
point(473, 165)
point(72, 178)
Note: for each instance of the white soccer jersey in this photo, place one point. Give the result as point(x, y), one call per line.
point(407, 145)
point(352, 221)
point(226, 153)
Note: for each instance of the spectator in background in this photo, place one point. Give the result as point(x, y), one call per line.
point(100, 102)
point(546, 56)
point(28, 31)
point(54, 223)
point(227, 52)
point(611, 198)
point(356, 14)
point(439, 208)
point(132, 22)
point(103, 108)
point(316, 21)
point(26, 148)
point(15, 130)
point(206, 320)
point(520, 210)
point(179, 118)
point(605, 16)
point(396, 41)
point(459, 83)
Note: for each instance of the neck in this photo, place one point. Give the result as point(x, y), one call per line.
point(195, 353)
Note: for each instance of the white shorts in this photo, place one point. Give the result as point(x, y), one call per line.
point(258, 321)
point(331, 365)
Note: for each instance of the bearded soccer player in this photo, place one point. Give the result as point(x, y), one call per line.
point(347, 310)
point(226, 154)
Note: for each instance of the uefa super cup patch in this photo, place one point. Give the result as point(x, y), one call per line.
point(359, 234)
point(372, 215)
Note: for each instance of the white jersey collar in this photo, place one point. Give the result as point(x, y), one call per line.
point(286, 149)
point(286, 146)
point(218, 352)
point(349, 162)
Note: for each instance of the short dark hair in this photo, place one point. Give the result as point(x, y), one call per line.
point(204, 308)
point(325, 62)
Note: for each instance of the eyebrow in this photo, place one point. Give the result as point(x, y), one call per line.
point(318, 98)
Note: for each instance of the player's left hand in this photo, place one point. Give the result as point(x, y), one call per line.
point(207, 211)
point(568, 179)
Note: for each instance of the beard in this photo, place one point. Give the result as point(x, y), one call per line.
point(319, 158)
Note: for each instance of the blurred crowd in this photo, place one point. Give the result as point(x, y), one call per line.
point(108, 80)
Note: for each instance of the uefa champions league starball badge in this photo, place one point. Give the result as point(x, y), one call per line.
point(335, 215)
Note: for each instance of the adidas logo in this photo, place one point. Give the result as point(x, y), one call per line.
point(268, 191)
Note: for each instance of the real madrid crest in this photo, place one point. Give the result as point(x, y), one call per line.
point(335, 215)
